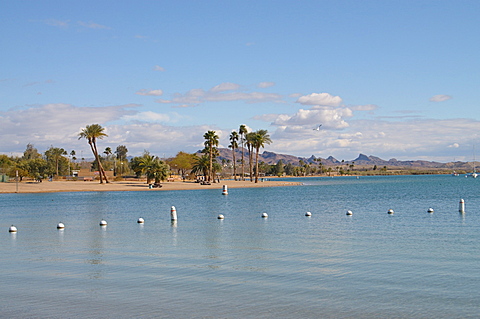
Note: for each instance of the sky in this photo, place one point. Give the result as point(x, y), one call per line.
point(393, 79)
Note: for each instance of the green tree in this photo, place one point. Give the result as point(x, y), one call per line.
point(201, 165)
point(279, 168)
point(121, 155)
point(91, 133)
point(183, 162)
point(234, 145)
point(53, 156)
point(211, 143)
point(152, 167)
point(31, 152)
point(260, 138)
point(242, 131)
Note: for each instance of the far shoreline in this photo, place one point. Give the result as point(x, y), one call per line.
point(27, 187)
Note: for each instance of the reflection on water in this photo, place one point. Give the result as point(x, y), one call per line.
point(407, 265)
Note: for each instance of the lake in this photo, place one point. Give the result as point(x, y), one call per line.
point(410, 264)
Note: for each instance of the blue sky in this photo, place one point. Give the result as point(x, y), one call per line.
point(394, 79)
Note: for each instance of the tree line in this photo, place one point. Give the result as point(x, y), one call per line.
point(56, 162)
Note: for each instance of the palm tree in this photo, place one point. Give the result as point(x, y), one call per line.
point(154, 168)
point(250, 141)
point(242, 131)
point(92, 133)
point(201, 165)
point(260, 138)
point(211, 141)
point(234, 145)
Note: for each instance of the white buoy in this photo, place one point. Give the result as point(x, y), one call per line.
point(308, 214)
point(103, 223)
point(225, 190)
point(349, 213)
point(141, 220)
point(173, 213)
point(220, 216)
point(12, 229)
point(60, 225)
point(264, 215)
point(461, 206)
point(430, 210)
point(390, 211)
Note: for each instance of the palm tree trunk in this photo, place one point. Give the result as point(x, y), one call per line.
point(256, 165)
point(250, 162)
point(96, 159)
point(243, 163)
point(234, 167)
point(100, 166)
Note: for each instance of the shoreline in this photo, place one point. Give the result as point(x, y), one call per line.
point(117, 186)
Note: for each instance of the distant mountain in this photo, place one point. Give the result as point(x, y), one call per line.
point(361, 160)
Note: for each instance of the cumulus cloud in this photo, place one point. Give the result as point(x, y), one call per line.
point(264, 85)
point(440, 98)
point(333, 118)
point(158, 68)
point(150, 92)
point(322, 99)
point(454, 145)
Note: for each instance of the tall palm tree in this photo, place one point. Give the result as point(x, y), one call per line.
point(234, 145)
point(250, 142)
point(260, 138)
point(242, 131)
point(91, 133)
point(211, 142)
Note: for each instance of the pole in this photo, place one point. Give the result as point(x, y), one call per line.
point(16, 181)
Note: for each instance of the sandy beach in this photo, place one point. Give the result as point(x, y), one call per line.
point(95, 186)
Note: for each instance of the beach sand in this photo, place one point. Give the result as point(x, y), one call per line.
point(95, 186)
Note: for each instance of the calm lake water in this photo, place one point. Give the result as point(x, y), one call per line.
point(411, 264)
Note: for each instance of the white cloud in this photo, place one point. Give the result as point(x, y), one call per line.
point(322, 99)
point(440, 98)
point(329, 117)
point(264, 85)
point(366, 107)
point(221, 93)
point(57, 23)
point(150, 92)
point(225, 87)
point(151, 117)
point(93, 25)
point(454, 145)
point(158, 68)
